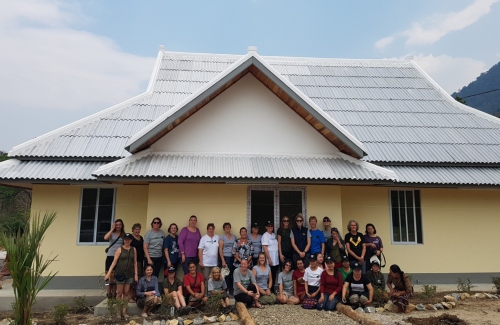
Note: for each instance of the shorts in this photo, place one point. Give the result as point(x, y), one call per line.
point(288, 295)
point(150, 301)
point(126, 281)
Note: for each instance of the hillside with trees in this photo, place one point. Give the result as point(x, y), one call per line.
point(484, 92)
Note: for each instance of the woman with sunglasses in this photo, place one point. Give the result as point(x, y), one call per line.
point(284, 240)
point(153, 246)
point(285, 285)
point(301, 241)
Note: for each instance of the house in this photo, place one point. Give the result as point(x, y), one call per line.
point(249, 138)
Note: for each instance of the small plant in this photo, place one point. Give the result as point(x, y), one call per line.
point(213, 305)
point(115, 307)
point(167, 302)
point(379, 297)
point(465, 285)
point(80, 305)
point(428, 292)
point(496, 283)
point(59, 312)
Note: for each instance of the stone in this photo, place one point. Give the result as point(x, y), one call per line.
point(228, 319)
point(464, 296)
point(480, 295)
point(209, 320)
point(198, 320)
point(446, 305)
point(438, 306)
point(380, 309)
point(391, 307)
point(456, 295)
point(411, 307)
point(360, 310)
point(221, 318)
point(233, 316)
point(430, 307)
point(452, 304)
point(420, 307)
point(488, 296)
point(449, 298)
point(6, 321)
point(370, 310)
point(188, 321)
point(174, 322)
point(156, 322)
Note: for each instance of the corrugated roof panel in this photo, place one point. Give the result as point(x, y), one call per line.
point(447, 175)
point(48, 170)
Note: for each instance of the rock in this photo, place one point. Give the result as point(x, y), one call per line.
point(6, 321)
point(430, 307)
point(438, 306)
point(156, 322)
point(446, 305)
point(209, 320)
point(188, 321)
point(228, 319)
point(411, 307)
point(360, 310)
point(180, 320)
point(174, 322)
point(132, 322)
point(488, 296)
point(480, 295)
point(453, 304)
point(420, 307)
point(391, 307)
point(456, 295)
point(370, 310)
point(464, 296)
point(233, 316)
point(198, 320)
point(221, 318)
point(380, 310)
point(449, 298)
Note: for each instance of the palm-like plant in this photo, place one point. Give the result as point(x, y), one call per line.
point(27, 264)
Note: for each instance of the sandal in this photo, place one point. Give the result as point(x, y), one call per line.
point(259, 306)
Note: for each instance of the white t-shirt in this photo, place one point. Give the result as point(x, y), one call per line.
point(271, 241)
point(210, 248)
point(313, 277)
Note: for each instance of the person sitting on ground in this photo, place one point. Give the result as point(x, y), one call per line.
point(312, 277)
point(358, 287)
point(285, 283)
point(246, 289)
point(172, 286)
point(194, 286)
point(217, 286)
point(299, 289)
point(263, 276)
point(148, 292)
point(376, 277)
point(345, 270)
point(330, 287)
point(400, 288)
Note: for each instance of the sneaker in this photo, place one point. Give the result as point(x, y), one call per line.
point(150, 314)
point(144, 315)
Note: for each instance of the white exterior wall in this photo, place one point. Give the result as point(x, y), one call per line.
point(246, 119)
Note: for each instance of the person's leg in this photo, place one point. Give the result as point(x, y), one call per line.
point(293, 300)
point(157, 264)
point(119, 294)
point(274, 273)
point(244, 298)
point(125, 297)
point(321, 305)
point(173, 294)
point(354, 299)
point(229, 260)
point(181, 299)
point(332, 304)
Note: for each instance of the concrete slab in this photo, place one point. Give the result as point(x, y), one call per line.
point(101, 309)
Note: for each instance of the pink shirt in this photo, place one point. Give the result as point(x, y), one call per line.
point(188, 242)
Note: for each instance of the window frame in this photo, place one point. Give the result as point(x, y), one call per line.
point(113, 211)
point(415, 217)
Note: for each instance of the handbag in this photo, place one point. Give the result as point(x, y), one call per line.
point(309, 303)
point(120, 277)
point(107, 248)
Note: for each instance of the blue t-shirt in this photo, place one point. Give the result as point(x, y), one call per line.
point(170, 243)
point(317, 238)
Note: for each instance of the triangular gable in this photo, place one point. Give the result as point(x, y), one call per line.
point(281, 87)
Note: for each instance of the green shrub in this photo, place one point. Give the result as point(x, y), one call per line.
point(115, 307)
point(59, 312)
point(465, 285)
point(80, 305)
point(428, 292)
point(496, 283)
point(166, 303)
point(213, 305)
point(379, 297)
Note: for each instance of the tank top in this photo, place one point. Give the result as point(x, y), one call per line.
point(125, 263)
point(262, 277)
point(227, 249)
point(257, 244)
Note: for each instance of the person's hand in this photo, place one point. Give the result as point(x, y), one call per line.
point(302, 254)
point(378, 253)
point(150, 261)
point(321, 299)
point(308, 295)
point(136, 278)
point(267, 292)
point(224, 263)
point(331, 296)
point(367, 303)
point(270, 263)
point(169, 264)
point(344, 301)
point(282, 258)
point(201, 264)
point(106, 277)
point(113, 227)
point(183, 258)
point(360, 260)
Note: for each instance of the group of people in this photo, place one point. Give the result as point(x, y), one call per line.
point(318, 267)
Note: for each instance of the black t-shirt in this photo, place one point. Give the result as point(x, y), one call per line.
point(356, 242)
point(286, 242)
point(357, 287)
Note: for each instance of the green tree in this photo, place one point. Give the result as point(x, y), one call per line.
point(460, 100)
point(27, 264)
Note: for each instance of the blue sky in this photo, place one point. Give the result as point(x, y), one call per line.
point(64, 60)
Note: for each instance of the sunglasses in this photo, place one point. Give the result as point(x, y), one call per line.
point(156, 222)
point(286, 220)
point(299, 220)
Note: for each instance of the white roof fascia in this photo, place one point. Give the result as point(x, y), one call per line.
point(317, 112)
point(95, 116)
point(157, 126)
point(452, 100)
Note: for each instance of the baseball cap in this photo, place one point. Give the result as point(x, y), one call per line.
point(357, 266)
point(255, 225)
point(345, 258)
point(269, 223)
point(128, 236)
point(313, 257)
point(329, 259)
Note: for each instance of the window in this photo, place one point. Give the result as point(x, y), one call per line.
point(96, 214)
point(273, 203)
point(406, 217)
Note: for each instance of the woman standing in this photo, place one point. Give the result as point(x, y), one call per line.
point(188, 243)
point(126, 271)
point(246, 289)
point(400, 288)
point(271, 250)
point(335, 248)
point(148, 291)
point(262, 274)
point(171, 248)
point(153, 246)
point(115, 237)
point(355, 244)
point(284, 240)
point(243, 249)
point(256, 240)
point(194, 286)
point(208, 251)
point(374, 246)
point(330, 286)
point(226, 254)
point(138, 244)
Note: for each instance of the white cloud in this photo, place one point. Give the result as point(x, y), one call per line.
point(46, 63)
point(383, 42)
point(450, 73)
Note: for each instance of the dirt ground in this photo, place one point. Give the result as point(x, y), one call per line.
point(471, 312)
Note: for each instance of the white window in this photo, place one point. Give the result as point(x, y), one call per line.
point(271, 203)
point(406, 217)
point(97, 210)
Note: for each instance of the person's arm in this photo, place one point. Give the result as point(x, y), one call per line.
point(389, 285)
point(323, 249)
point(363, 252)
point(180, 242)
point(138, 290)
point(408, 286)
point(166, 244)
point(115, 260)
point(370, 293)
point(146, 252)
point(282, 257)
point(221, 253)
point(338, 290)
point(344, 290)
point(187, 285)
point(136, 272)
point(202, 293)
point(268, 256)
point(269, 284)
point(322, 287)
point(157, 290)
point(200, 256)
point(308, 243)
point(108, 234)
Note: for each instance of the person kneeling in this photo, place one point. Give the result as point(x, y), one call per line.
point(331, 284)
point(359, 288)
point(285, 282)
point(194, 287)
point(217, 286)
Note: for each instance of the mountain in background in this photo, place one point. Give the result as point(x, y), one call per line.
point(488, 86)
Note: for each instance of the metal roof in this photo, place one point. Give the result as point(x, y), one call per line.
point(165, 165)
point(16, 170)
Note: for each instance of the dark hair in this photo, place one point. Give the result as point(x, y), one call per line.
point(396, 269)
point(148, 265)
point(289, 222)
point(210, 225)
point(172, 224)
point(191, 262)
point(226, 224)
point(243, 228)
point(368, 225)
point(136, 225)
point(122, 232)
point(193, 216)
point(288, 261)
point(156, 218)
point(258, 258)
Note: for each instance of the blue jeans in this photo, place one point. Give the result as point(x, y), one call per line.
point(328, 304)
point(229, 279)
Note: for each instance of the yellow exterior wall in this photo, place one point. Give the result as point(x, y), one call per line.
point(458, 227)
point(61, 238)
point(325, 201)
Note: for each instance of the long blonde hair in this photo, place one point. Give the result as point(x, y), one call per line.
point(211, 276)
